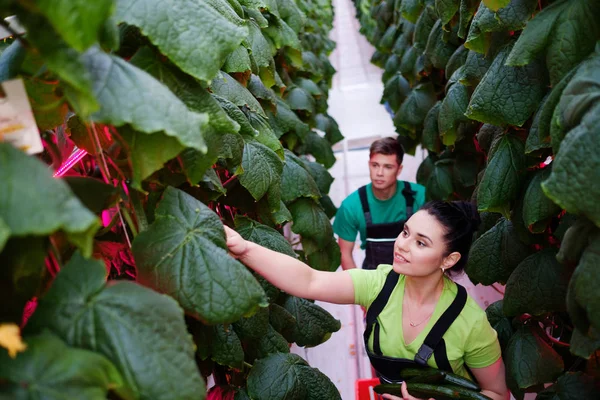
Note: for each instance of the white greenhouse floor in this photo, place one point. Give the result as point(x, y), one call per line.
point(354, 103)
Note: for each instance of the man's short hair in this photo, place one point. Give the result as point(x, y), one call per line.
point(387, 146)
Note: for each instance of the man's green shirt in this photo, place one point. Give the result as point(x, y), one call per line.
point(350, 218)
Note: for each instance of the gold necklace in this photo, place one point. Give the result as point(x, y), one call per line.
point(410, 318)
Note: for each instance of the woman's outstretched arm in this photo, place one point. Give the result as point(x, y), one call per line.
point(291, 275)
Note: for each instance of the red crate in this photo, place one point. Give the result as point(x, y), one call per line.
point(364, 389)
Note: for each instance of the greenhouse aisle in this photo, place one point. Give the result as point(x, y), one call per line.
point(354, 103)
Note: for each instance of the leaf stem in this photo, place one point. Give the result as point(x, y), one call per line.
point(125, 214)
point(138, 209)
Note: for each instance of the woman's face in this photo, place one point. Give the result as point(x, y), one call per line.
point(420, 249)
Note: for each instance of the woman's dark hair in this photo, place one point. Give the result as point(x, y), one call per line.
point(460, 220)
point(387, 146)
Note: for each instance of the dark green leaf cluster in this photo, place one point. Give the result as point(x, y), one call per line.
point(504, 96)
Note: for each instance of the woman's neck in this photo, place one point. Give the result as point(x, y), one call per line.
point(423, 289)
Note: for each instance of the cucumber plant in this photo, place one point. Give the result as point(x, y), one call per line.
point(161, 121)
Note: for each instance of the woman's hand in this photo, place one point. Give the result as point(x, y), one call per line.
point(237, 245)
point(405, 395)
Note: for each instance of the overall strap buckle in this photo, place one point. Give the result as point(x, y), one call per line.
point(423, 355)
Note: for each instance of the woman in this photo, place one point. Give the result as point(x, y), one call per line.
point(415, 312)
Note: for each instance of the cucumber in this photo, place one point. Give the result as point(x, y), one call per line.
point(438, 392)
point(432, 375)
point(458, 380)
point(422, 375)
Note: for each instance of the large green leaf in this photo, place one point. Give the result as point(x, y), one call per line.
point(575, 240)
point(93, 193)
point(572, 386)
point(259, 46)
point(438, 49)
point(190, 91)
point(415, 107)
point(183, 254)
point(27, 213)
point(499, 322)
point(495, 254)
point(288, 121)
point(474, 69)
point(230, 89)
point(263, 235)
point(325, 123)
point(51, 370)
point(508, 95)
point(289, 377)
point(291, 14)
point(131, 96)
point(310, 220)
point(581, 288)
point(530, 360)
point(320, 148)
point(439, 185)
point(553, 32)
point(296, 180)
point(198, 37)
point(253, 327)
point(299, 99)
point(264, 133)
point(541, 126)
point(430, 138)
point(262, 170)
point(446, 9)
point(322, 177)
point(62, 60)
point(537, 208)
point(583, 345)
point(148, 153)
point(226, 348)
point(48, 105)
point(575, 167)
point(322, 256)
point(238, 61)
point(395, 91)
point(513, 17)
point(271, 342)
point(502, 178)
point(120, 321)
point(452, 112)
point(457, 60)
point(578, 101)
point(411, 9)
point(422, 29)
point(78, 21)
point(537, 286)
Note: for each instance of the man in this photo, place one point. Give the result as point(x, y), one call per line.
point(378, 210)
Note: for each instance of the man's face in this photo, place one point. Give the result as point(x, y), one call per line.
point(384, 170)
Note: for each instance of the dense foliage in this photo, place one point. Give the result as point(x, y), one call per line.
point(175, 117)
point(504, 96)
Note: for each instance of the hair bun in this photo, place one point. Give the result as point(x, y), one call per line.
point(469, 210)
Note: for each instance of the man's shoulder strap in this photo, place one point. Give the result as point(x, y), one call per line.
point(362, 193)
point(409, 196)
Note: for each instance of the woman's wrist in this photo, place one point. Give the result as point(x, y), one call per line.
point(249, 247)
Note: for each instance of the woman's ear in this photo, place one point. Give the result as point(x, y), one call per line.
point(451, 260)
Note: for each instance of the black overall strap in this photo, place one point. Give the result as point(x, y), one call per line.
point(409, 196)
point(377, 307)
point(362, 193)
point(434, 342)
